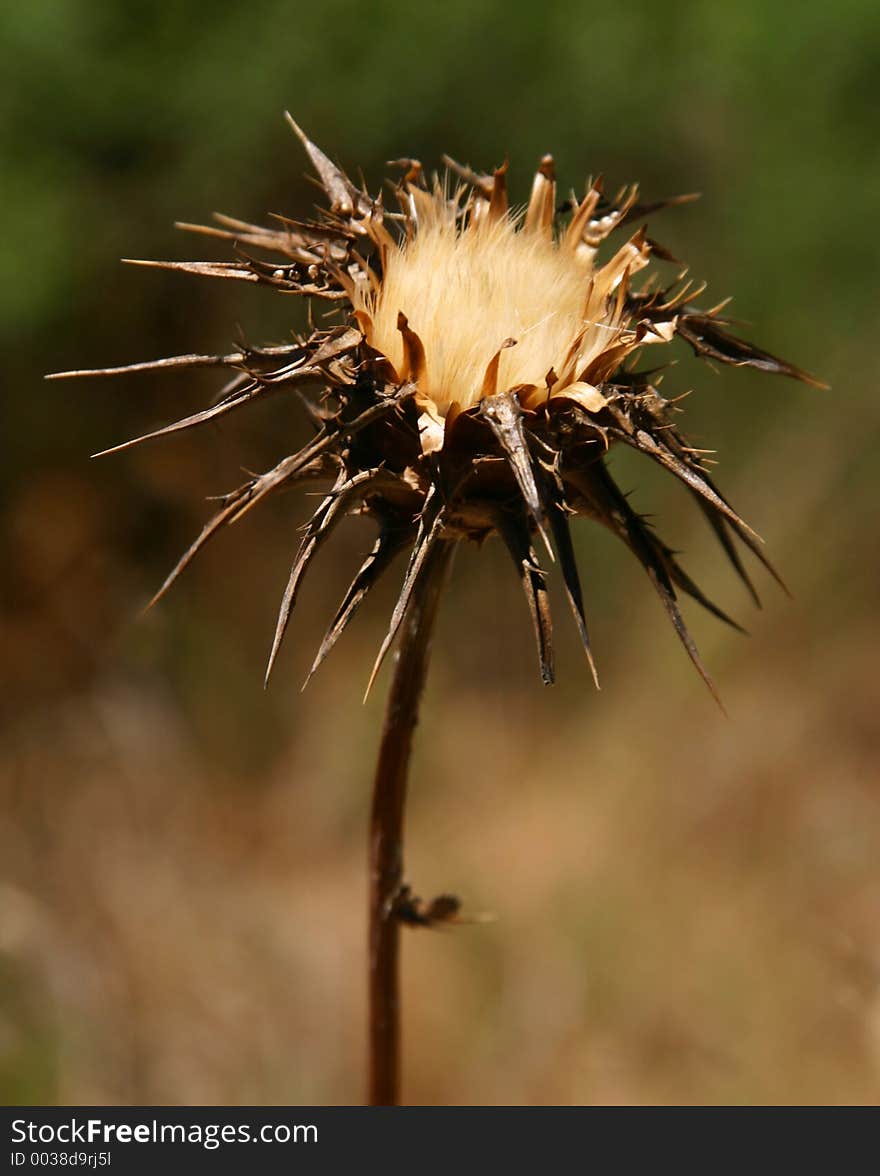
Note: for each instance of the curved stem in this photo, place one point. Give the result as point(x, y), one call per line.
point(386, 827)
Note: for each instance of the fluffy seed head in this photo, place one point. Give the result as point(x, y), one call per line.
point(472, 295)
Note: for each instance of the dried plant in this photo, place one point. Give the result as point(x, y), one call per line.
point(480, 364)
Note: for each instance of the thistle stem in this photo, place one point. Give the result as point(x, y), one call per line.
point(387, 828)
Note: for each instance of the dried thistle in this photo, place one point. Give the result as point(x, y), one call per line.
point(480, 369)
point(481, 365)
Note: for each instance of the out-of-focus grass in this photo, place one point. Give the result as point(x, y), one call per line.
point(686, 906)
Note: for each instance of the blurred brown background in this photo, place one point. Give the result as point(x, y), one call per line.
point(687, 907)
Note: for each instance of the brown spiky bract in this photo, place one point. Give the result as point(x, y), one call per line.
point(482, 366)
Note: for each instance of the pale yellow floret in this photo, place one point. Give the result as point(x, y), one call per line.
point(466, 292)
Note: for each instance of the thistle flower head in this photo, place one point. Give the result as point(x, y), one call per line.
point(479, 365)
